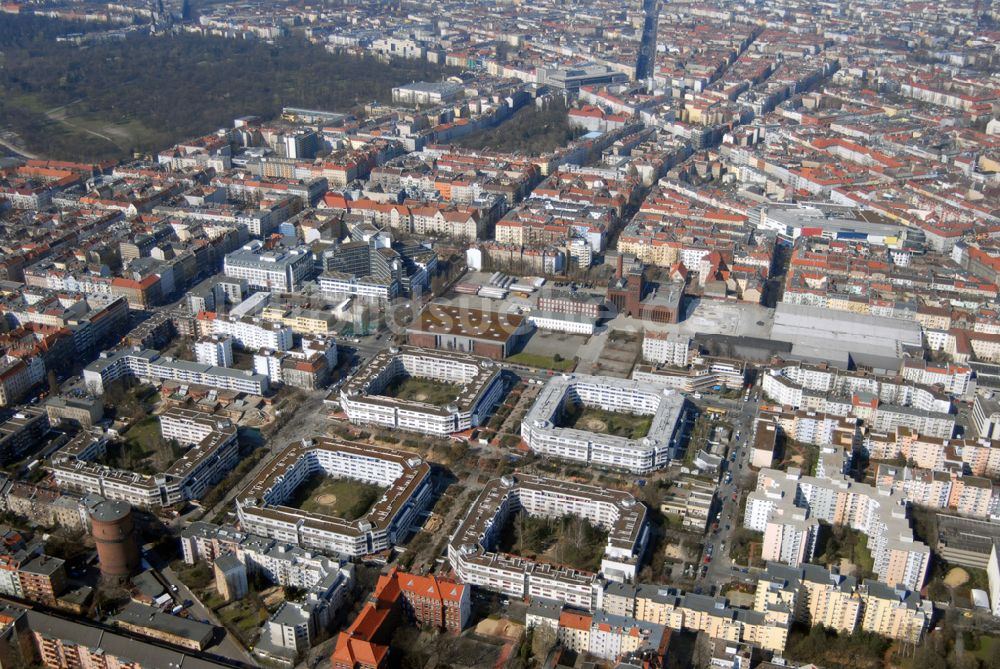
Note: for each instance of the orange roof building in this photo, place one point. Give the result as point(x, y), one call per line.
point(426, 599)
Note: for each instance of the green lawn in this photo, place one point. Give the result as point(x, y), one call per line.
point(590, 419)
point(543, 361)
point(862, 556)
point(570, 541)
point(416, 389)
point(144, 433)
point(143, 449)
point(839, 542)
point(339, 497)
point(989, 646)
point(244, 617)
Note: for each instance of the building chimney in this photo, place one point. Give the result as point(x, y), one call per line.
point(618, 268)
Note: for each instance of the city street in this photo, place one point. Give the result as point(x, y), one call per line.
point(742, 416)
point(228, 646)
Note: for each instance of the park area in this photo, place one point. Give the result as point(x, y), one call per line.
point(590, 419)
point(417, 389)
point(143, 449)
point(339, 497)
point(567, 541)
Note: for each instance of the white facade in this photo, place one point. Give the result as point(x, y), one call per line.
point(541, 432)
point(212, 452)
point(261, 510)
point(254, 334)
point(666, 349)
point(470, 549)
point(147, 365)
point(214, 351)
point(274, 271)
point(563, 323)
point(479, 389)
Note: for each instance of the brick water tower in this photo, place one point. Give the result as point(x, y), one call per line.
point(114, 533)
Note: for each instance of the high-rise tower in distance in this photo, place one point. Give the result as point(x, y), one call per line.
point(647, 48)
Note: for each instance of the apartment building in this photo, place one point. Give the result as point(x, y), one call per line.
point(21, 432)
point(56, 642)
point(477, 380)
point(471, 548)
point(250, 333)
point(279, 271)
point(765, 443)
point(43, 579)
point(714, 616)
point(690, 498)
point(542, 431)
point(986, 416)
point(789, 536)
point(703, 373)
point(17, 377)
point(147, 365)
point(427, 600)
point(813, 594)
point(895, 612)
point(953, 379)
point(835, 498)
point(305, 322)
point(610, 637)
point(212, 452)
point(214, 351)
point(666, 348)
point(884, 403)
point(948, 488)
point(261, 504)
point(293, 627)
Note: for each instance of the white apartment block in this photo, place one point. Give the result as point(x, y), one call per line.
point(261, 510)
point(212, 452)
point(542, 433)
point(471, 547)
point(479, 387)
point(254, 334)
point(954, 379)
point(282, 271)
point(663, 348)
point(883, 403)
point(214, 351)
point(147, 365)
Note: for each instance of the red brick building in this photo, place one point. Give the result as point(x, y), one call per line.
point(426, 599)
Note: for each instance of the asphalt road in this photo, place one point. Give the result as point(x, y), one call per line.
point(228, 646)
point(309, 420)
point(741, 416)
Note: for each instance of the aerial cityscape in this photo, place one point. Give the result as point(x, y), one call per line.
point(488, 335)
